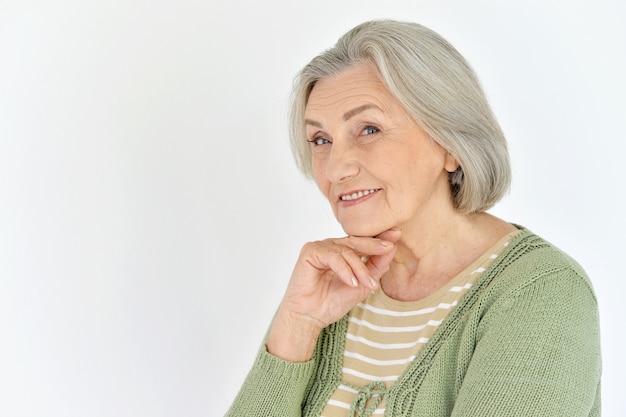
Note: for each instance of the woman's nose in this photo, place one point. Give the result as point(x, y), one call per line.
point(342, 163)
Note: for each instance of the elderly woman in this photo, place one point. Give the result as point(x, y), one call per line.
point(430, 306)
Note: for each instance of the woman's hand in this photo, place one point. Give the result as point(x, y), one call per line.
point(329, 279)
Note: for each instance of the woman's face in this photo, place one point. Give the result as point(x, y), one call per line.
point(372, 161)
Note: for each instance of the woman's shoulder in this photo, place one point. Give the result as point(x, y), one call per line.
point(530, 259)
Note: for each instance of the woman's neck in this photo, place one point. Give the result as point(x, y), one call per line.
point(427, 258)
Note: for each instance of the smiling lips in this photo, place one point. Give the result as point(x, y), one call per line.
point(357, 194)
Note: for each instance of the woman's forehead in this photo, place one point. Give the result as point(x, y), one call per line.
point(355, 87)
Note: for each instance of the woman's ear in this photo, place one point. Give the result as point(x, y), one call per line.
point(450, 163)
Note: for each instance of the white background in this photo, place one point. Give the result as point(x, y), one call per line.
point(150, 211)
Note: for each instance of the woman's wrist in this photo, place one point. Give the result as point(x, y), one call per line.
point(292, 338)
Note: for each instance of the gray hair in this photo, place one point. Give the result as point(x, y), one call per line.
point(436, 85)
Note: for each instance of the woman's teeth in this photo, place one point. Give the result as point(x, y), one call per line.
point(354, 196)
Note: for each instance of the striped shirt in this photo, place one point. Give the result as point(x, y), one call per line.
point(385, 335)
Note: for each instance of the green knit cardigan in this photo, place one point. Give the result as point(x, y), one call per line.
point(524, 341)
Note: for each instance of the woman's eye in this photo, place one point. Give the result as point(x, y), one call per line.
point(318, 141)
point(369, 130)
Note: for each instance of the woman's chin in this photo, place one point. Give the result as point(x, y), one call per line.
point(363, 229)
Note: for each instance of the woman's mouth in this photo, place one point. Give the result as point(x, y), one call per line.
point(358, 194)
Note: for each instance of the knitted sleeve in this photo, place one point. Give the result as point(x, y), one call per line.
point(273, 387)
point(538, 352)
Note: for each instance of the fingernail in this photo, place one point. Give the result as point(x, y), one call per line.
point(385, 243)
point(373, 282)
point(355, 283)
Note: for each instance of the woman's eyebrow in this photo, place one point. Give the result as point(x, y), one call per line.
point(347, 115)
point(312, 123)
point(351, 113)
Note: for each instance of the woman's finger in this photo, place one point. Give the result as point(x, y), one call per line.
point(391, 235)
point(364, 245)
point(379, 264)
point(348, 258)
point(334, 261)
point(360, 271)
